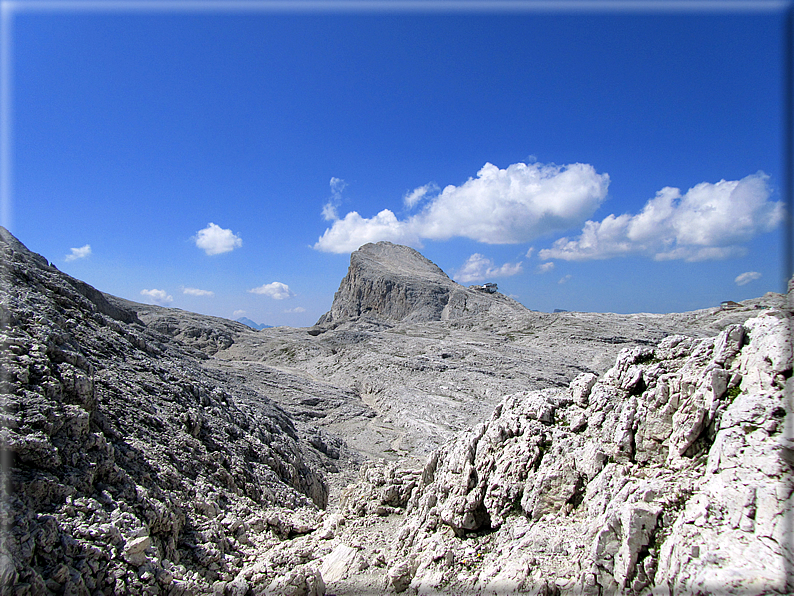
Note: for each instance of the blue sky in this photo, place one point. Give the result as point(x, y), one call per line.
point(227, 162)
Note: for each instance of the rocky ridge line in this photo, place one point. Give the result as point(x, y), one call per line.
point(133, 469)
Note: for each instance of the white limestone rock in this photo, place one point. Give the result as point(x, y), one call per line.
point(158, 451)
point(304, 580)
point(675, 484)
point(339, 563)
point(580, 388)
point(400, 574)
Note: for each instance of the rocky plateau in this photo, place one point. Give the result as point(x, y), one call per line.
point(421, 438)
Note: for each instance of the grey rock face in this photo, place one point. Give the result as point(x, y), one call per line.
point(675, 484)
point(394, 283)
point(202, 335)
point(129, 461)
point(164, 452)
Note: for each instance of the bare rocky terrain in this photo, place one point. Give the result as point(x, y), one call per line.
point(422, 437)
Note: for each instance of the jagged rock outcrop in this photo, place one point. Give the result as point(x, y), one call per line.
point(666, 475)
point(132, 468)
point(394, 283)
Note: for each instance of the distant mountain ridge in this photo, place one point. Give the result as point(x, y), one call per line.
point(253, 325)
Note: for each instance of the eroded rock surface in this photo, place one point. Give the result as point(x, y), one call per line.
point(406, 445)
point(670, 480)
point(133, 469)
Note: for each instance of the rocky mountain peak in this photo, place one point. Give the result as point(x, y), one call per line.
point(395, 283)
point(398, 260)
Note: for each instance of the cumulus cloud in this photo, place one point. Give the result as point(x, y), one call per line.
point(197, 292)
point(530, 252)
point(297, 309)
point(477, 267)
point(160, 297)
point(516, 204)
point(499, 206)
point(347, 234)
point(411, 199)
point(79, 253)
point(746, 278)
point(238, 313)
point(565, 278)
point(545, 267)
point(330, 208)
point(214, 240)
point(709, 221)
point(275, 290)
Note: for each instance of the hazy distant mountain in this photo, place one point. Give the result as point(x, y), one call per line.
point(252, 325)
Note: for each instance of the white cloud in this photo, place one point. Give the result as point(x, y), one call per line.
point(330, 208)
point(160, 297)
point(197, 292)
point(79, 253)
point(347, 234)
point(530, 252)
point(297, 309)
point(238, 313)
point(565, 278)
point(411, 199)
point(545, 267)
point(214, 240)
point(516, 204)
point(477, 267)
point(499, 206)
point(746, 278)
point(710, 221)
point(275, 290)
point(329, 212)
